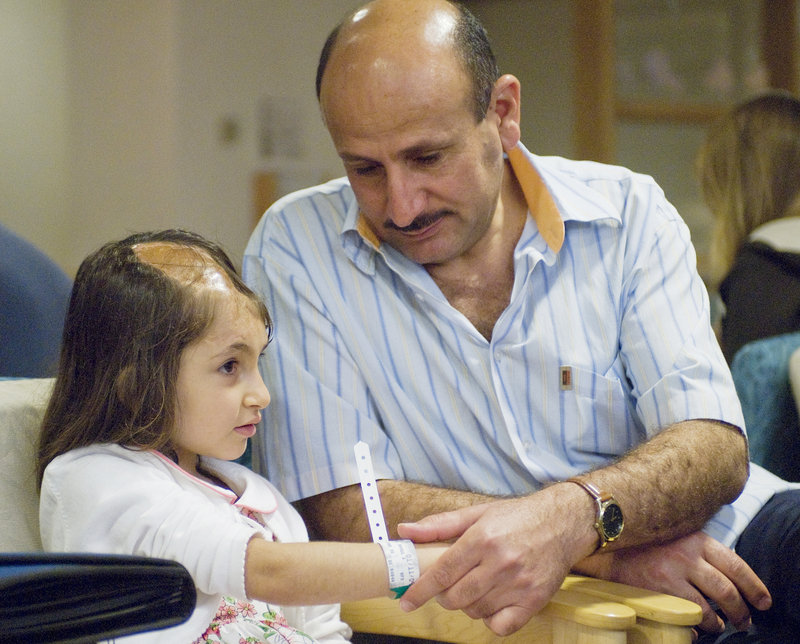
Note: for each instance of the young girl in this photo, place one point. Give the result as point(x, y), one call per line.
point(158, 387)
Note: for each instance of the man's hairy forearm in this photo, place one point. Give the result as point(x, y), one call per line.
point(668, 487)
point(674, 483)
point(339, 515)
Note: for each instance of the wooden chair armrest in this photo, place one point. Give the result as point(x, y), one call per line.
point(584, 610)
point(648, 604)
point(575, 616)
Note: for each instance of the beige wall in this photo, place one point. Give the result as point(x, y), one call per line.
point(532, 39)
point(34, 113)
point(124, 107)
point(122, 115)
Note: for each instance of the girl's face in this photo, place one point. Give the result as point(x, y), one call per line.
point(220, 390)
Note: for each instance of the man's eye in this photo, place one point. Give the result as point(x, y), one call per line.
point(365, 171)
point(428, 159)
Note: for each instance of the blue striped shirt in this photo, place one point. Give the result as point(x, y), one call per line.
point(605, 342)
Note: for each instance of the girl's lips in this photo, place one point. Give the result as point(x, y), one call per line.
point(248, 431)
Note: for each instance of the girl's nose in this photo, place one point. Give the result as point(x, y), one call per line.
point(258, 396)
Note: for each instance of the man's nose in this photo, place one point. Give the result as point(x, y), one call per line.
point(405, 197)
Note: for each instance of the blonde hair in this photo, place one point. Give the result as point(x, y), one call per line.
point(749, 172)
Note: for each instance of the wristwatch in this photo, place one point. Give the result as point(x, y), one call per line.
point(608, 521)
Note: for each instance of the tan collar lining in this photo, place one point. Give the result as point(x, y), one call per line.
point(366, 232)
point(540, 202)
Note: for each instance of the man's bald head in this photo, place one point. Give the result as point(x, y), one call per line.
point(413, 32)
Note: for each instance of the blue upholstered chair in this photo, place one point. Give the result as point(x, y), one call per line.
point(34, 293)
point(761, 372)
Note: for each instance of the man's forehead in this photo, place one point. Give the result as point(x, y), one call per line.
point(393, 93)
point(387, 35)
point(434, 19)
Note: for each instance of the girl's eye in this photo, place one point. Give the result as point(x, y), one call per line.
point(229, 367)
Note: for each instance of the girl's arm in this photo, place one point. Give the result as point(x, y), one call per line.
point(321, 572)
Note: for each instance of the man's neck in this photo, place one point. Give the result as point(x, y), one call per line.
point(479, 283)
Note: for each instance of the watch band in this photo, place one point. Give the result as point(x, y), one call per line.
point(597, 495)
point(603, 500)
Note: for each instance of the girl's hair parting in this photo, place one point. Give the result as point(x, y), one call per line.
point(126, 327)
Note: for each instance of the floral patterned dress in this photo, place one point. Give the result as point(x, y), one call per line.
point(250, 622)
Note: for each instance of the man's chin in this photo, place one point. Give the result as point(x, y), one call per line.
point(425, 252)
point(420, 252)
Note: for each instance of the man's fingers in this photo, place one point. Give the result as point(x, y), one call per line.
point(444, 526)
point(451, 567)
point(711, 622)
point(730, 583)
point(508, 620)
point(735, 568)
point(494, 570)
point(719, 589)
point(695, 567)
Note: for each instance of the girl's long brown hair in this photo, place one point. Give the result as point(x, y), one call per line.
point(127, 325)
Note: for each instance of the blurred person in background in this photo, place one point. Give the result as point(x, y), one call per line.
point(749, 171)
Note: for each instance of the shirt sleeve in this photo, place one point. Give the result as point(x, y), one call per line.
point(101, 502)
point(677, 369)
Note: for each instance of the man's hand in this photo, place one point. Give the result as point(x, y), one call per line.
point(695, 567)
point(509, 559)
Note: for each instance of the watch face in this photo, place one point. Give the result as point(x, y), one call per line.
point(612, 521)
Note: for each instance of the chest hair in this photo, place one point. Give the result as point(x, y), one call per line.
point(481, 299)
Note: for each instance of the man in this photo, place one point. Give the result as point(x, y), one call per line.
point(493, 324)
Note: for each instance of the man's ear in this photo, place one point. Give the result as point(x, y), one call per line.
point(506, 107)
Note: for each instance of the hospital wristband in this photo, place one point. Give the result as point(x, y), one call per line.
point(402, 564)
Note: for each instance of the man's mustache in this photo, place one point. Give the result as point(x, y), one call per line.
point(420, 221)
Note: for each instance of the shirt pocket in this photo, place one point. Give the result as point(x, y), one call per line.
point(598, 410)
